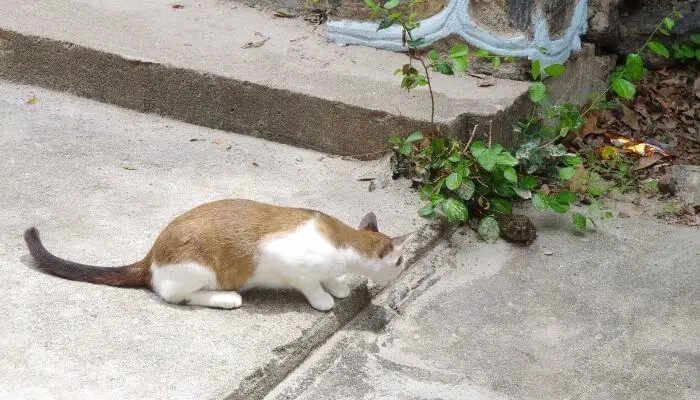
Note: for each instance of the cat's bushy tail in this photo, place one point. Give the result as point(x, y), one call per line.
point(137, 274)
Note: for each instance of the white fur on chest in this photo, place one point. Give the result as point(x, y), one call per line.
point(302, 254)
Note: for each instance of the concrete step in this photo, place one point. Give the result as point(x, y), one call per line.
point(100, 182)
point(192, 64)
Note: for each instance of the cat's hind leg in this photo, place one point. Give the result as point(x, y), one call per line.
point(215, 299)
point(336, 287)
point(193, 284)
point(314, 293)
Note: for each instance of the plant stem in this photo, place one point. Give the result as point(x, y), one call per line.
point(641, 49)
point(471, 137)
point(430, 89)
point(427, 75)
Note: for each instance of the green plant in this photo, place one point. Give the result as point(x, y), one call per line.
point(689, 51)
point(457, 176)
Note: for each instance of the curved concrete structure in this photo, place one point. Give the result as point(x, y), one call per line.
point(458, 18)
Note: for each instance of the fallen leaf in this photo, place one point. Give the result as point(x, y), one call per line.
point(251, 45)
point(129, 167)
point(646, 162)
point(283, 13)
point(32, 100)
point(590, 126)
point(630, 117)
point(178, 6)
point(578, 182)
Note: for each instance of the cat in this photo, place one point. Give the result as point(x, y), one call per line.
point(209, 254)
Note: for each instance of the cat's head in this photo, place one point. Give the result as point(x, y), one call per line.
point(386, 257)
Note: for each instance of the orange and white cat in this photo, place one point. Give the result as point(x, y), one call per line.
point(207, 255)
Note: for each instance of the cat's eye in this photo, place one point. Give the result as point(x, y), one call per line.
point(399, 261)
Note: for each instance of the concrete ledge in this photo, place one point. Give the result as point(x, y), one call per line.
point(190, 64)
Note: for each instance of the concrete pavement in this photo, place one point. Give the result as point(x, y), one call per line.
point(100, 183)
point(614, 314)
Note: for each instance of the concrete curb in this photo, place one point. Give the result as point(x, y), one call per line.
point(235, 105)
point(258, 384)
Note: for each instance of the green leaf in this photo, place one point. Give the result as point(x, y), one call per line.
point(566, 173)
point(505, 158)
point(460, 64)
point(433, 55)
point(477, 148)
point(462, 169)
point(466, 190)
point(460, 50)
point(560, 208)
point(427, 210)
point(537, 92)
point(668, 23)
point(535, 69)
point(444, 68)
point(573, 161)
point(556, 151)
point(503, 206)
point(496, 62)
point(697, 54)
point(695, 38)
point(510, 175)
point(415, 43)
point(391, 4)
point(414, 137)
point(386, 23)
point(658, 48)
point(395, 140)
point(594, 210)
point(455, 210)
point(488, 229)
point(487, 159)
point(565, 197)
point(454, 157)
point(481, 53)
point(554, 70)
point(371, 4)
point(634, 67)
point(540, 201)
point(594, 191)
point(529, 182)
point(579, 221)
point(405, 149)
point(624, 88)
point(454, 180)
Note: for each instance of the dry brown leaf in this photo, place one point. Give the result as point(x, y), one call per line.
point(579, 181)
point(646, 162)
point(630, 117)
point(590, 126)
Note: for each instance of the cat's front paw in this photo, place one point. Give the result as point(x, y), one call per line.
point(337, 288)
point(322, 302)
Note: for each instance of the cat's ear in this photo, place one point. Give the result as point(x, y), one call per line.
point(398, 241)
point(369, 223)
